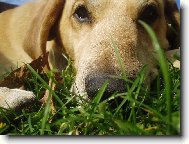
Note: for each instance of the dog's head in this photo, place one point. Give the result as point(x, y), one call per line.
point(87, 29)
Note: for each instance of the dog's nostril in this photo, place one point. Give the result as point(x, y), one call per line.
point(93, 84)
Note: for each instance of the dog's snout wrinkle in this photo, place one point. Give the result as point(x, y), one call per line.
point(94, 83)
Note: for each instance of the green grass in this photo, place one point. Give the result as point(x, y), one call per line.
point(139, 111)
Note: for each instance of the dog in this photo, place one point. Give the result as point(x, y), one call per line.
point(85, 30)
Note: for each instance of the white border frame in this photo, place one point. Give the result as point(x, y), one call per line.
point(184, 139)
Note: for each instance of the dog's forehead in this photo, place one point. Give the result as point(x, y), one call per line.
point(124, 2)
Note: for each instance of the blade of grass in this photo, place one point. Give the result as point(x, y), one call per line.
point(129, 128)
point(139, 81)
point(3, 115)
point(99, 95)
point(30, 124)
point(130, 91)
point(164, 68)
point(45, 85)
point(47, 110)
point(47, 107)
point(46, 114)
point(150, 109)
point(120, 61)
point(3, 129)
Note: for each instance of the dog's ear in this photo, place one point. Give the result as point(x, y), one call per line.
point(45, 17)
point(172, 15)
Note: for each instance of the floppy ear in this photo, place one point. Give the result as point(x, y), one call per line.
point(45, 17)
point(173, 19)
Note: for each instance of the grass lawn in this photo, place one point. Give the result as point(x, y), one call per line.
point(138, 111)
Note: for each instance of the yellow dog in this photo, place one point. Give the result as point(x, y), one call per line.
point(82, 29)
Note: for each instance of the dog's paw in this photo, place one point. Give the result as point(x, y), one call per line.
point(15, 98)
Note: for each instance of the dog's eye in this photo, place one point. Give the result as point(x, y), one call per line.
point(149, 14)
point(82, 14)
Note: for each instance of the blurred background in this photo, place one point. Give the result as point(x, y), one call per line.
point(17, 2)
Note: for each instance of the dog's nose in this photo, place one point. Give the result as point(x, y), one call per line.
point(94, 83)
